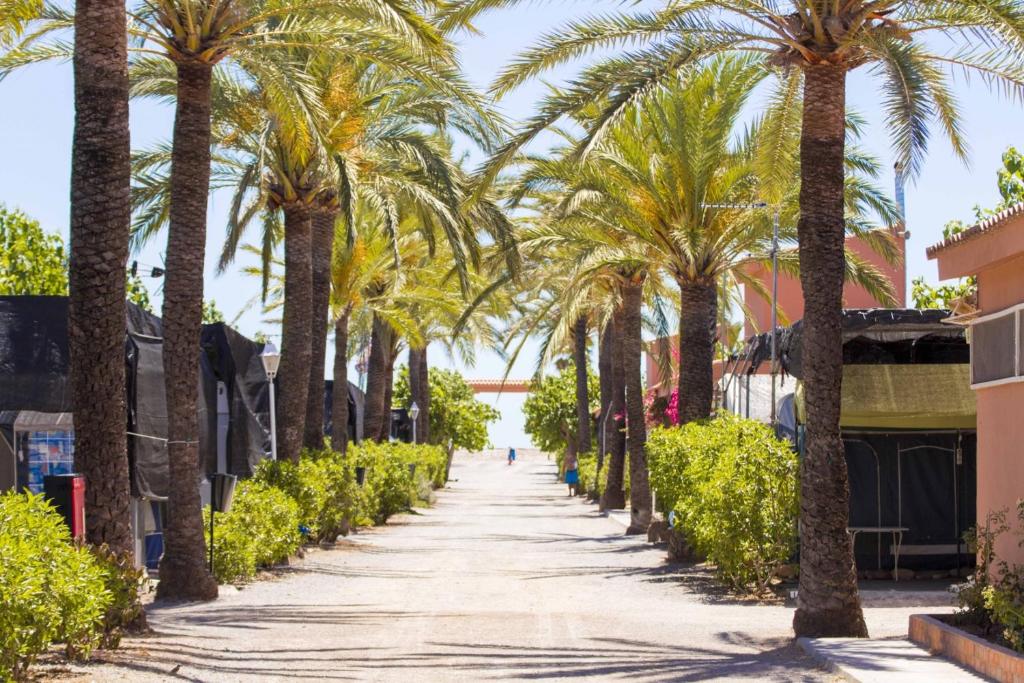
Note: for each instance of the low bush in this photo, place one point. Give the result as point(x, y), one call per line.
point(124, 582)
point(260, 530)
point(389, 487)
point(734, 489)
point(323, 487)
point(590, 477)
point(994, 596)
point(51, 590)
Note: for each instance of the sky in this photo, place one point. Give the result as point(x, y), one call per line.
point(36, 117)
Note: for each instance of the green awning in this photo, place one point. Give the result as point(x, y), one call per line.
point(932, 396)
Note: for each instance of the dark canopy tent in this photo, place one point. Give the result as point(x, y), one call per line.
point(908, 424)
point(356, 406)
point(34, 369)
point(232, 360)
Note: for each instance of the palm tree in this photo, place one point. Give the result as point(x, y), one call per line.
point(824, 41)
point(100, 218)
point(579, 354)
point(672, 166)
point(14, 15)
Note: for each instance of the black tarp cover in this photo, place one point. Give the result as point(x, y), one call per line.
point(34, 376)
point(233, 359)
point(923, 481)
point(34, 354)
point(356, 407)
point(884, 336)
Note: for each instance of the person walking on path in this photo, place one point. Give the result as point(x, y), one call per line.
point(572, 473)
point(511, 455)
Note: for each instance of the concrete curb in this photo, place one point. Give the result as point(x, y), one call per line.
point(883, 661)
point(620, 517)
point(822, 659)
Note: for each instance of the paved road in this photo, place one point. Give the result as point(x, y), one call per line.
point(506, 578)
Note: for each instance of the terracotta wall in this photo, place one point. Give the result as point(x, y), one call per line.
point(1000, 427)
point(1001, 461)
point(791, 300)
point(996, 256)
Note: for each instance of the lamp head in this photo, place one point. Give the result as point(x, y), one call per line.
point(271, 360)
point(414, 411)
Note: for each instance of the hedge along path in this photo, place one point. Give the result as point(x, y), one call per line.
point(504, 578)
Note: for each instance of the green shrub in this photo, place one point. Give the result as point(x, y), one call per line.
point(389, 487)
point(1005, 602)
point(734, 490)
point(261, 529)
point(123, 581)
point(50, 589)
point(667, 449)
point(590, 479)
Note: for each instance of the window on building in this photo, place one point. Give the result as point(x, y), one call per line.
point(994, 343)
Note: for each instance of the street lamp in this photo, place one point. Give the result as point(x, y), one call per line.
point(271, 360)
point(414, 412)
point(775, 285)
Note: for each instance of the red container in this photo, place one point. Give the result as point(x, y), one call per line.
point(67, 493)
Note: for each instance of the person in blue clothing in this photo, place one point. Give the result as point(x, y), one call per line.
point(511, 455)
point(572, 473)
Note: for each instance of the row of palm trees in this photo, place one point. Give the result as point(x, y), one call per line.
point(911, 46)
point(331, 123)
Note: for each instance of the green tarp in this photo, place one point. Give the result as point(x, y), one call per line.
point(931, 396)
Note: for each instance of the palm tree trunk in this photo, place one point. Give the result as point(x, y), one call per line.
point(419, 388)
point(373, 417)
point(614, 497)
point(323, 249)
point(100, 215)
point(632, 356)
point(604, 367)
point(698, 315)
point(828, 603)
point(582, 394)
point(339, 398)
point(297, 321)
point(389, 389)
point(183, 570)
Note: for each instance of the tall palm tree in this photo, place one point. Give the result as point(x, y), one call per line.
point(100, 218)
point(579, 355)
point(672, 166)
point(824, 41)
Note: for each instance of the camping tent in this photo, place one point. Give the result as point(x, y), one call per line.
point(34, 392)
point(908, 423)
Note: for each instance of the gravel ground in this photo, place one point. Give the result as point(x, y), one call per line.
point(505, 578)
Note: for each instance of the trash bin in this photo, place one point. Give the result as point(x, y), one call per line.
point(67, 493)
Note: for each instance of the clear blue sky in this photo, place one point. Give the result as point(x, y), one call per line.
point(35, 150)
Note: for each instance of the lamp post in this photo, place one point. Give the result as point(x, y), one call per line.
point(414, 413)
point(271, 360)
point(775, 287)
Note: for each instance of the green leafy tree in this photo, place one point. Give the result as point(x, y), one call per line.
point(1010, 181)
point(455, 413)
point(212, 314)
point(32, 261)
point(550, 409)
point(138, 294)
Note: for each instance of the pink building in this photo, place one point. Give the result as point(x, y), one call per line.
point(994, 252)
point(791, 299)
